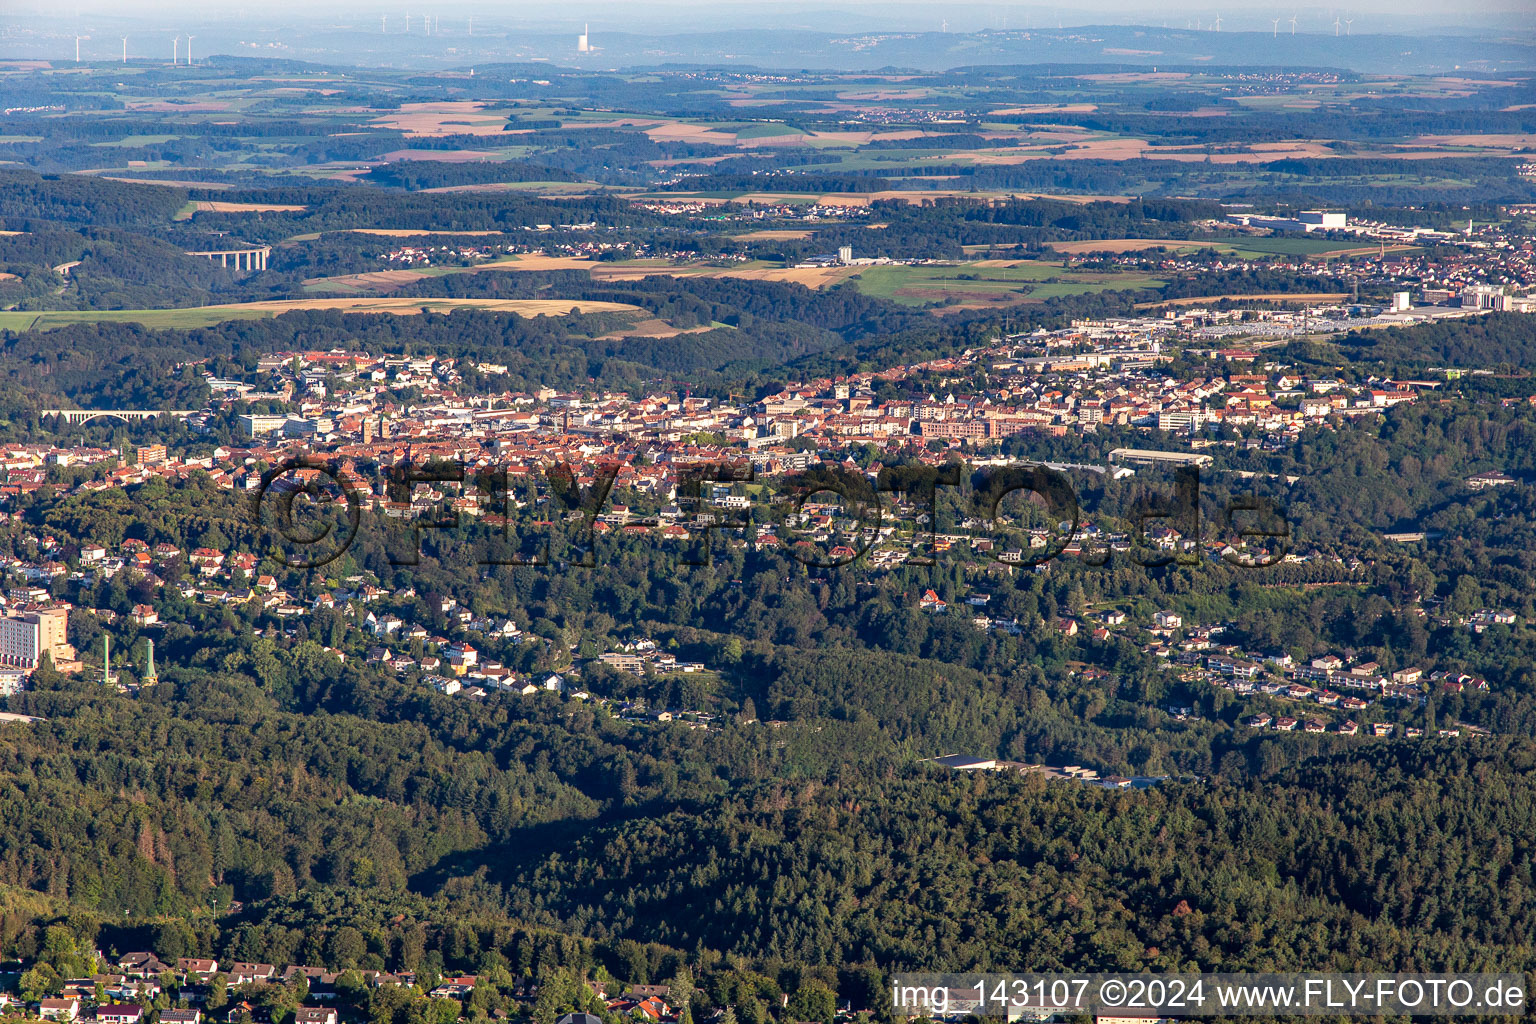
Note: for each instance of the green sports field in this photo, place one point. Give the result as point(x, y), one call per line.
point(1028, 281)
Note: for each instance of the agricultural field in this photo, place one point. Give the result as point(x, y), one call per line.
point(194, 207)
point(635, 178)
point(1284, 246)
point(207, 316)
point(1244, 247)
point(387, 280)
point(990, 283)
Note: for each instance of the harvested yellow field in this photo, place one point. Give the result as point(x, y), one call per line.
point(776, 236)
point(1508, 143)
point(458, 117)
point(413, 232)
point(389, 280)
point(216, 206)
point(539, 261)
point(413, 307)
point(677, 131)
point(632, 272)
point(811, 277)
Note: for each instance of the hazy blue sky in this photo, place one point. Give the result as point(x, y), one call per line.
point(45, 28)
point(961, 15)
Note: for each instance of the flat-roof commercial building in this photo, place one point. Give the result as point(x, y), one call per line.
point(1149, 457)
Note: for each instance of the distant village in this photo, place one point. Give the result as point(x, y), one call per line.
point(141, 988)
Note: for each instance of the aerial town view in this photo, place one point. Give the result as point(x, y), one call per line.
point(766, 513)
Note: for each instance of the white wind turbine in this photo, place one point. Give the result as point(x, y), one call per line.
point(175, 50)
point(1348, 22)
point(1335, 26)
point(1276, 22)
point(1216, 25)
point(189, 49)
point(1293, 24)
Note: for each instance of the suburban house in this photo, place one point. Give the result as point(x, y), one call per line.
point(242, 1011)
point(142, 965)
point(244, 974)
point(197, 970)
point(59, 1009)
point(451, 988)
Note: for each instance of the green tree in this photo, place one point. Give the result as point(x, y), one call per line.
point(812, 1001)
point(42, 981)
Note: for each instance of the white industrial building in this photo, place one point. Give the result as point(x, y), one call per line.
point(1306, 221)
